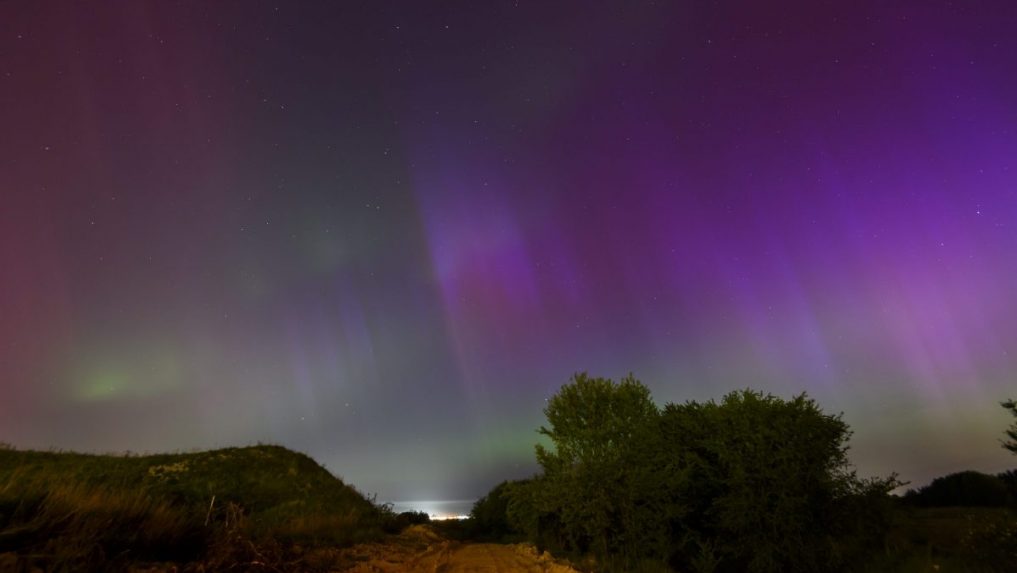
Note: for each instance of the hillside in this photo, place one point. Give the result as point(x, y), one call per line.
point(88, 511)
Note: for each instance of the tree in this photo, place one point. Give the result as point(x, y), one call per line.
point(768, 481)
point(599, 429)
point(593, 420)
point(1011, 432)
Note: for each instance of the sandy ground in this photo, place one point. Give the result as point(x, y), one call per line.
point(420, 550)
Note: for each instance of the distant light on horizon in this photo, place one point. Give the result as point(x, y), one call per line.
point(448, 517)
point(438, 510)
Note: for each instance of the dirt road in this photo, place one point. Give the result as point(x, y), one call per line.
point(420, 550)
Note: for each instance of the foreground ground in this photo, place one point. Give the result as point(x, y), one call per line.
point(420, 549)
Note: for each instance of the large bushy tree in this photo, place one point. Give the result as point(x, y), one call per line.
point(751, 483)
point(593, 421)
point(766, 480)
point(599, 429)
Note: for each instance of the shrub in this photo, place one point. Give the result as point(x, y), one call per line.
point(414, 517)
point(489, 516)
point(967, 488)
point(752, 483)
point(395, 523)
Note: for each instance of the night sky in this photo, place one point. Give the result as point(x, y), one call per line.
point(384, 233)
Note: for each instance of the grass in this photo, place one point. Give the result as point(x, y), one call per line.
point(261, 504)
point(950, 540)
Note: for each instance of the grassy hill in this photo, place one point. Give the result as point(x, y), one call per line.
point(234, 505)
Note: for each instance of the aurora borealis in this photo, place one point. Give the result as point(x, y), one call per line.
point(384, 233)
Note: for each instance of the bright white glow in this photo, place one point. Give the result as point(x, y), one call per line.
point(438, 510)
point(436, 517)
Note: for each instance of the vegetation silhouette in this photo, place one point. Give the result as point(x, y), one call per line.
point(750, 483)
point(963, 489)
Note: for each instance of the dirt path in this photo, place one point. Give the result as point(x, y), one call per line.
point(420, 550)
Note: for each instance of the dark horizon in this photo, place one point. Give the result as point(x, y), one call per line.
point(384, 234)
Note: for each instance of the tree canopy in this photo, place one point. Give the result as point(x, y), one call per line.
point(753, 482)
point(593, 421)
